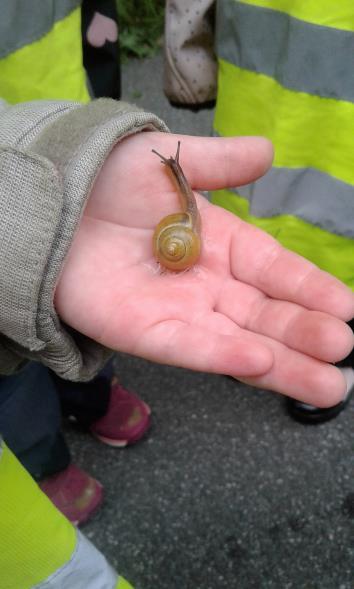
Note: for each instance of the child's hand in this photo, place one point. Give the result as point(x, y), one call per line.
point(249, 308)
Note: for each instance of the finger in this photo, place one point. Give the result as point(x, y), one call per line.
point(211, 163)
point(259, 260)
point(272, 365)
point(292, 373)
point(313, 333)
point(191, 346)
point(302, 378)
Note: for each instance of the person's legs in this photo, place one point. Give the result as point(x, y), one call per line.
point(30, 421)
point(30, 424)
point(115, 416)
point(31, 405)
point(85, 401)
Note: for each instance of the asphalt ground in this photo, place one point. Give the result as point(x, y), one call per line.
point(226, 491)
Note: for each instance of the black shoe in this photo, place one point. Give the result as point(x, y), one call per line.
point(313, 415)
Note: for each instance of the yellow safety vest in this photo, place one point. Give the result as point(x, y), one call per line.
point(286, 72)
point(39, 547)
point(41, 51)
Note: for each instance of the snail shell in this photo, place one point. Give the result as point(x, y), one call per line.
point(176, 244)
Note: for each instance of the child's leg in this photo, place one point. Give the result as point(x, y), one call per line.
point(30, 420)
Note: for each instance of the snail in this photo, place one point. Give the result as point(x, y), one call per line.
point(176, 239)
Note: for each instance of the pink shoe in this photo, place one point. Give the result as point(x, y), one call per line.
point(126, 421)
point(74, 493)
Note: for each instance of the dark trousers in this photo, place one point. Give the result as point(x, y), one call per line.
point(32, 403)
point(102, 63)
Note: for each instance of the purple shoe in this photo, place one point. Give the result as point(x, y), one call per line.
point(77, 495)
point(126, 421)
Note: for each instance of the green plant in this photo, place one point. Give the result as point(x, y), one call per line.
point(140, 27)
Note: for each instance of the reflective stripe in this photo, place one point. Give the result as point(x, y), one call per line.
point(59, 72)
point(330, 252)
point(306, 193)
point(307, 131)
point(87, 569)
point(23, 22)
point(328, 13)
point(299, 55)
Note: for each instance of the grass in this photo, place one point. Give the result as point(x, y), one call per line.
point(141, 24)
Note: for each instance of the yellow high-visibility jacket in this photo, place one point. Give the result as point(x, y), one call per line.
point(41, 51)
point(286, 72)
point(39, 547)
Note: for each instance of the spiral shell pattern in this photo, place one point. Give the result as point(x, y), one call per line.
point(176, 247)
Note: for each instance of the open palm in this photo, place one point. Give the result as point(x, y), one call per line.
point(249, 308)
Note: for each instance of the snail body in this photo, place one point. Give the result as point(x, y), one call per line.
point(176, 239)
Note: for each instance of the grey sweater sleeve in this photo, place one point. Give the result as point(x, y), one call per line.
point(50, 155)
